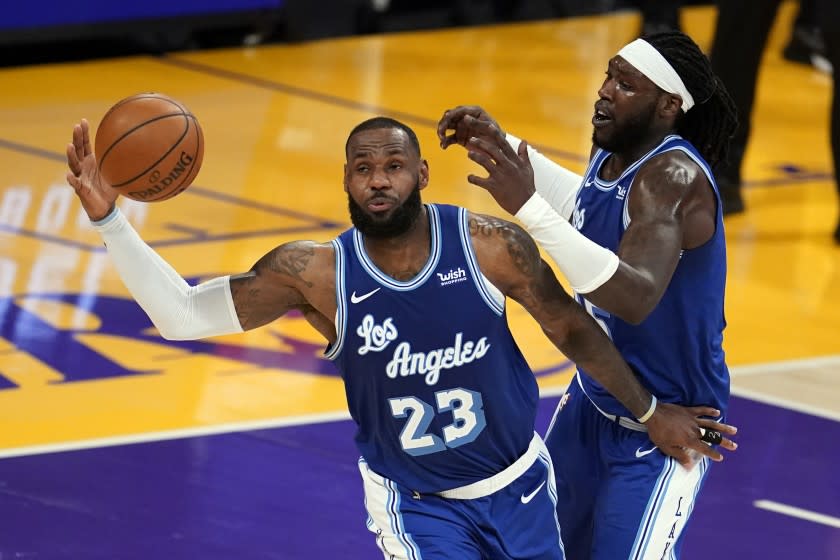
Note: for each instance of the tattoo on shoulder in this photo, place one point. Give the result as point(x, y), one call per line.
point(521, 248)
point(291, 260)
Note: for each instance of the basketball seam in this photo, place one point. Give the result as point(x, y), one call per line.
point(169, 151)
point(177, 189)
point(157, 96)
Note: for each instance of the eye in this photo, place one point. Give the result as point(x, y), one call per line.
point(625, 85)
point(396, 165)
point(362, 168)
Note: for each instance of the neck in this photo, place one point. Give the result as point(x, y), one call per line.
point(618, 162)
point(403, 256)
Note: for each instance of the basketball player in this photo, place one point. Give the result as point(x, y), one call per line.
point(412, 303)
point(645, 255)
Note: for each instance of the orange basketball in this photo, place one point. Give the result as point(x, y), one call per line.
point(149, 147)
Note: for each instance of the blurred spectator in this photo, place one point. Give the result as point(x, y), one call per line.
point(741, 34)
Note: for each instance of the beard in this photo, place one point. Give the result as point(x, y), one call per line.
point(399, 221)
point(627, 136)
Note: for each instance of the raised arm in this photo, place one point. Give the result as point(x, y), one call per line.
point(509, 258)
point(282, 280)
point(556, 184)
point(671, 206)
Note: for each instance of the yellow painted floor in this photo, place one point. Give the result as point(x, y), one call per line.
point(275, 120)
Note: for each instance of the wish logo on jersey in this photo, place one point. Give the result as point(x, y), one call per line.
point(453, 276)
point(377, 337)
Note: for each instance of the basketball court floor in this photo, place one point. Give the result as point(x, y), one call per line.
point(116, 444)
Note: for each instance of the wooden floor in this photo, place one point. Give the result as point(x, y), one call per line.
point(79, 366)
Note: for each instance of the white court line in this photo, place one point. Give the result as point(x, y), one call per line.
point(286, 421)
point(758, 396)
point(788, 404)
point(163, 435)
point(785, 366)
point(799, 513)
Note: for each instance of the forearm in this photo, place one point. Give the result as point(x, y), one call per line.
point(593, 351)
point(556, 184)
point(583, 262)
point(178, 310)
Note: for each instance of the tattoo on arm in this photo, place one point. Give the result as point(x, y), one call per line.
point(246, 295)
point(272, 287)
point(521, 248)
point(292, 261)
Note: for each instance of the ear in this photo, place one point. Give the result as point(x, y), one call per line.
point(670, 105)
point(424, 174)
point(345, 178)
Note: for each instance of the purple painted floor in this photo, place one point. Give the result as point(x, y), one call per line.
point(294, 492)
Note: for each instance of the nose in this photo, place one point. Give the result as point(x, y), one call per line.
point(605, 91)
point(379, 179)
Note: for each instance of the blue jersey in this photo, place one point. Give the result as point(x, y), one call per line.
point(440, 392)
point(676, 351)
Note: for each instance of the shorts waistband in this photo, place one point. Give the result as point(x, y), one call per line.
point(487, 486)
point(623, 421)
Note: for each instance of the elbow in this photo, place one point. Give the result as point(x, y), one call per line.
point(636, 311)
point(168, 332)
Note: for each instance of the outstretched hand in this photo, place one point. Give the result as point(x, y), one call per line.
point(96, 195)
point(510, 177)
point(677, 430)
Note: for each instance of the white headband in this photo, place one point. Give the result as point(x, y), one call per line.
point(650, 62)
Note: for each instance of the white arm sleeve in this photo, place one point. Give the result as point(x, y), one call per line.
point(556, 184)
point(583, 262)
point(178, 310)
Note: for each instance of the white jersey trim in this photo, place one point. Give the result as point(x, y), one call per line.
point(340, 303)
point(491, 295)
point(424, 274)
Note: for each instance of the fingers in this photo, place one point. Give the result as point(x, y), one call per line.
point(483, 159)
point(682, 456)
point(704, 411)
point(73, 161)
point(708, 451)
point(451, 117)
point(462, 120)
point(717, 426)
point(79, 142)
point(483, 182)
point(73, 181)
point(87, 149)
point(728, 444)
point(494, 150)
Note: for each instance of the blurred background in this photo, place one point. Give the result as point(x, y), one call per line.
point(117, 444)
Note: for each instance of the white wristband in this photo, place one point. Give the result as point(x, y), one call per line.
point(583, 262)
point(646, 416)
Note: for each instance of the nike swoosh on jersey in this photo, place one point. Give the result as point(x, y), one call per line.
point(528, 497)
point(358, 299)
point(640, 453)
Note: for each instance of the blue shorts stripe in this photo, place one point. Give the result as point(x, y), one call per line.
point(551, 487)
point(397, 524)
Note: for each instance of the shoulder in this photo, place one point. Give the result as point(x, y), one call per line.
point(502, 248)
point(490, 230)
point(672, 187)
point(301, 261)
point(671, 176)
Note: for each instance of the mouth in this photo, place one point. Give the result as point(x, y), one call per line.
point(380, 204)
point(601, 117)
